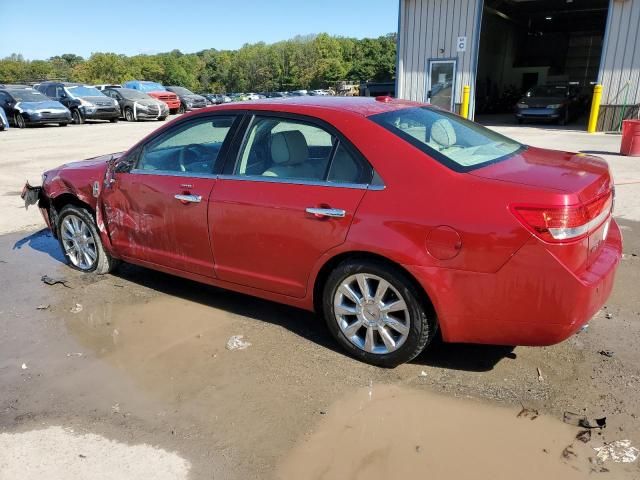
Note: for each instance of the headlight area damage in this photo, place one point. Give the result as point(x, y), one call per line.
point(79, 183)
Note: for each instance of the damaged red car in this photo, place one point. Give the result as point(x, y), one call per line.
point(394, 220)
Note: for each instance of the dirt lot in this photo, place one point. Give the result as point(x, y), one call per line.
point(127, 375)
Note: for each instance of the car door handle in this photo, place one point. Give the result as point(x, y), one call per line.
point(326, 212)
point(188, 198)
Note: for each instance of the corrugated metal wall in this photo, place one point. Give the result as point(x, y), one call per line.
point(429, 30)
point(620, 64)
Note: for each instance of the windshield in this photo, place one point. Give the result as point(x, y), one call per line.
point(548, 91)
point(150, 87)
point(83, 91)
point(457, 143)
point(132, 94)
point(28, 95)
point(181, 91)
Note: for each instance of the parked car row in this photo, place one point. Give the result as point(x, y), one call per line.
point(61, 103)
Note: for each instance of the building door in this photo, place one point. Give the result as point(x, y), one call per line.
point(440, 88)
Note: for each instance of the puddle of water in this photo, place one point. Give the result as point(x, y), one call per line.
point(164, 344)
point(56, 453)
point(387, 432)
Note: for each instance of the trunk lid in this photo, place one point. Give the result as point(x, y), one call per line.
point(583, 178)
point(572, 173)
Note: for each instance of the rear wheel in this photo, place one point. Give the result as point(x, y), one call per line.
point(19, 120)
point(76, 117)
point(128, 115)
point(376, 313)
point(80, 241)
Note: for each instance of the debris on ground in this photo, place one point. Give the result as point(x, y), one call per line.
point(43, 307)
point(606, 353)
point(423, 373)
point(584, 436)
point(24, 366)
point(568, 452)
point(116, 408)
point(582, 421)
point(418, 448)
point(584, 328)
point(236, 342)
point(75, 354)
point(619, 451)
point(55, 281)
point(77, 308)
point(540, 377)
point(528, 413)
point(608, 315)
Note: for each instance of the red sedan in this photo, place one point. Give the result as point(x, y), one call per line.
point(393, 219)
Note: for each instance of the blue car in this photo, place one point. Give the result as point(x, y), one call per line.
point(25, 106)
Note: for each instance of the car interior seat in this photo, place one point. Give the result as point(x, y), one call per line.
point(289, 155)
point(442, 135)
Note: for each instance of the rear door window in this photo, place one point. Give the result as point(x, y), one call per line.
point(289, 149)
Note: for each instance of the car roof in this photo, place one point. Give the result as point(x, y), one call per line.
point(364, 106)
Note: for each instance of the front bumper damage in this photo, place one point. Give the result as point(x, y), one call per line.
point(36, 196)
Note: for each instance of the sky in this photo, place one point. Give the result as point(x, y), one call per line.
point(40, 29)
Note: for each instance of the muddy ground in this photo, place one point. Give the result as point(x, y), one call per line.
point(139, 357)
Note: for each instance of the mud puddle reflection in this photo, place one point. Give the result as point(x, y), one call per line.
point(166, 344)
point(392, 432)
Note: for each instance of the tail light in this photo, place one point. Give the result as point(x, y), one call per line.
point(559, 224)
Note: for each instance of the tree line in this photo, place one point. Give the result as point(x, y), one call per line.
point(303, 62)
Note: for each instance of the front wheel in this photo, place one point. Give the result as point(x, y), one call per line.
point(19, 120)
point(181, 109)
point(377, 313)
point(80, 241)
point(128, 115)
point(76, 117)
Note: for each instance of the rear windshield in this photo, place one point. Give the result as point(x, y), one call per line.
point(459, 144)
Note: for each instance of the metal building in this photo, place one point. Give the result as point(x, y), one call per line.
point(502, 47)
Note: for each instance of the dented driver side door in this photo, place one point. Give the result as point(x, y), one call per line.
point(156, 205)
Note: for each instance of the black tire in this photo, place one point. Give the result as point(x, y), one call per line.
point(76, 117)
point(162, 119)
point(19, 121)
point(173, 111)
point(103, 263)
point(64, 124)
point(113, 120)
point(181, 109)
point(128, 115)
point(422, 324)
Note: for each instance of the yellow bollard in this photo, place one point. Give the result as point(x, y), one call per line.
point(595, 109)
point(464, 108)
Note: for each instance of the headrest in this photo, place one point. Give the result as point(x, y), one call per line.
point(443, 133)
point(289, 147)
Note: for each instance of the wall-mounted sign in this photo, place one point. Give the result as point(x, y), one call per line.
point(461, 44)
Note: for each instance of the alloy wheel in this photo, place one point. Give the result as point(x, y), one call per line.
point(371, 313)
point(78, 242)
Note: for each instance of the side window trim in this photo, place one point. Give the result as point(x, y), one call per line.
point(139, 149)
point(234, 158)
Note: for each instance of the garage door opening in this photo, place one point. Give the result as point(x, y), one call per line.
point(539, 59)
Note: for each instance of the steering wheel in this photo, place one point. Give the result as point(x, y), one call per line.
point(191, 155)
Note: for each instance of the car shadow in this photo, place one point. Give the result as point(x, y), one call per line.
point(466, 357)
point(474, 358)
point(42, 241)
